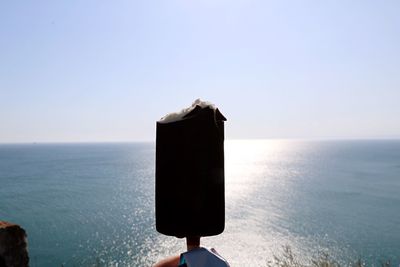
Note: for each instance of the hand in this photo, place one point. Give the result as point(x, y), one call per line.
point(169, 262)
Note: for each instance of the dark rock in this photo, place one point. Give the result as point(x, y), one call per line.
point(13, 246)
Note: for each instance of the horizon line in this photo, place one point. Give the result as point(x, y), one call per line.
point(226, 139)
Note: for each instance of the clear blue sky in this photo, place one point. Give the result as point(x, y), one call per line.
point(96, 70)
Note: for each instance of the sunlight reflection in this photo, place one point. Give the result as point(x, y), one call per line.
point(245, 163)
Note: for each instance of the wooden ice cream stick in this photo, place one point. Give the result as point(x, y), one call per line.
point(192, 242)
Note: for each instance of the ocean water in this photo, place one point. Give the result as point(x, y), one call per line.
point(88, 204)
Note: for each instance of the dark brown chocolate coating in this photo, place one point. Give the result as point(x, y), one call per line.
point(190, 199)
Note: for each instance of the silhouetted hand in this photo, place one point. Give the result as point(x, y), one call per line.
point(169, 262)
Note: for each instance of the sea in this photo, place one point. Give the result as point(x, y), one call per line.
point(92, 204)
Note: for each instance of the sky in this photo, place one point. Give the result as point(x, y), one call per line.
point(95, 70)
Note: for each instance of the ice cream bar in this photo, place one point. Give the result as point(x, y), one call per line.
point(190, 198)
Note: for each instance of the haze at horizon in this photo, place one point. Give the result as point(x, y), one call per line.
point(106, 71)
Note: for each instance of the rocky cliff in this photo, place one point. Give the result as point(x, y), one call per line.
point(13, 246)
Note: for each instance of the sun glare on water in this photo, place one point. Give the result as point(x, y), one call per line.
point(245, 164)
point(253, 172)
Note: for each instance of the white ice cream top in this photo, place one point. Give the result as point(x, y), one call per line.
point(176, 116)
